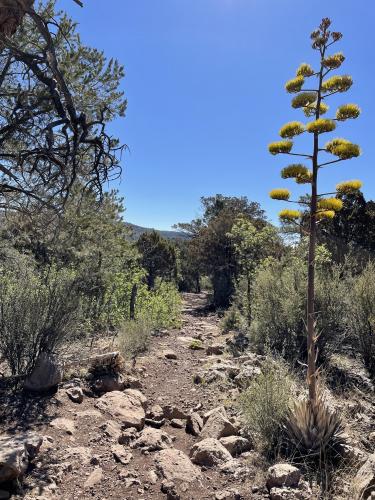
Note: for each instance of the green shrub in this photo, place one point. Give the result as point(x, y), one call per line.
point(279, 306)
point(361, 320)
point(38, 311)
point(160, 306)
point(265, 403)
point(232, 320)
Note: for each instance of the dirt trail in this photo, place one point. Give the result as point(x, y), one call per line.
point(73, 457)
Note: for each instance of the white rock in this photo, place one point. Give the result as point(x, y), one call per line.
point(15, 452)
point(174, 465)
point(209, 452)
point(125, 407)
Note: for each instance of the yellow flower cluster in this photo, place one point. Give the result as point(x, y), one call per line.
point(280, 194)
point(280, 147)
point(287, 215)
point(297, 171)
point(303, 99)
point(310, 109)
point(321, 126)
point(295, 85)
point(325, 214)
point(337, 84)
point(347, 111)
point(334, 204)
point(349, 187)
point(343, 149)
point(304, 69)
point(334, 61)
point(294, 170)
point(291, 129)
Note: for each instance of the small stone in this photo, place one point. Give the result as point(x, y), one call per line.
point(194, 424)
point(178, 423)
point(75, 394)
point(121, 455)
point(172, 412)
point(209, 452)
point(281, 475)
point(152, 440)
point(215, 350)
point(236, 445)
point(169, 354)
point(94, 478)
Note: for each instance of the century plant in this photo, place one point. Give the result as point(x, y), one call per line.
point(313, 102)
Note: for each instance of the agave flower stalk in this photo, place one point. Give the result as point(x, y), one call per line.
point(312, 103)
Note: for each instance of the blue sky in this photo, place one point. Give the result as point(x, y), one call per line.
point(205, 85)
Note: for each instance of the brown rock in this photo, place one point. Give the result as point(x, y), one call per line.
point(63, 424)
point(94, 478)
point(281, 475)
point(15, 453)
point(215, 350)
point(108, 383)
point(235, 444)
point(153, 440)
point(75, 394)
point(178, 423)
point(217, 426)
point(171, 412)
point(121, 455)
point(174, 465)
point(209, 452)
point(219, 409)
point(169, 354)
point(194, 424)
point(46, 375)
point(125, 406)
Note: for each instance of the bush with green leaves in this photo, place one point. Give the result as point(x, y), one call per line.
point(361, 317)
point(279, 305)
point(38, 311)
point(265, 403)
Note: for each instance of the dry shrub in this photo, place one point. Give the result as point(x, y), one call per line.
point(134, 337)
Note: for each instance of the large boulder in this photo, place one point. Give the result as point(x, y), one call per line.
point(174, 465)
point(46, 375)
point(364, 481)
point(217, 426)
point(280, 475)
point(15, 453)
point(126, 407)
point(153, 440)
point(209, 452)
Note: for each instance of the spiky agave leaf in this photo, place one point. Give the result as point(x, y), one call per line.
point(313, 428)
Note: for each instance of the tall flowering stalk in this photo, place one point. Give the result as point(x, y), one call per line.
point(312, 101)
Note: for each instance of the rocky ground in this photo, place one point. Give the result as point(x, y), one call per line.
point(170, 430)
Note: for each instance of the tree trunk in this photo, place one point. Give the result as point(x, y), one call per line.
point(133, 299)
point(11, 14)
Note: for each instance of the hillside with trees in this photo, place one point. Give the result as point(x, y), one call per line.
point(230, 358)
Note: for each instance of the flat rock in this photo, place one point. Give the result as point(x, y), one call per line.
point(209, 452)
point(236, 444)
point(127, 407)
point(174, 465)
point(169, 354)
point(281, 475)
point(63, 424)
point(15, 453)
point(153, 440)
point(178, 423)
point(94, 478)
point(217, 426)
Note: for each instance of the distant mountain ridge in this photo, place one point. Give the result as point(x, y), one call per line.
point(137, 231)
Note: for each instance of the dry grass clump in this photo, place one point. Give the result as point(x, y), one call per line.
point(134, 337)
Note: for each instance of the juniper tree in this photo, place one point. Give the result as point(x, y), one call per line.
point(320, 206)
